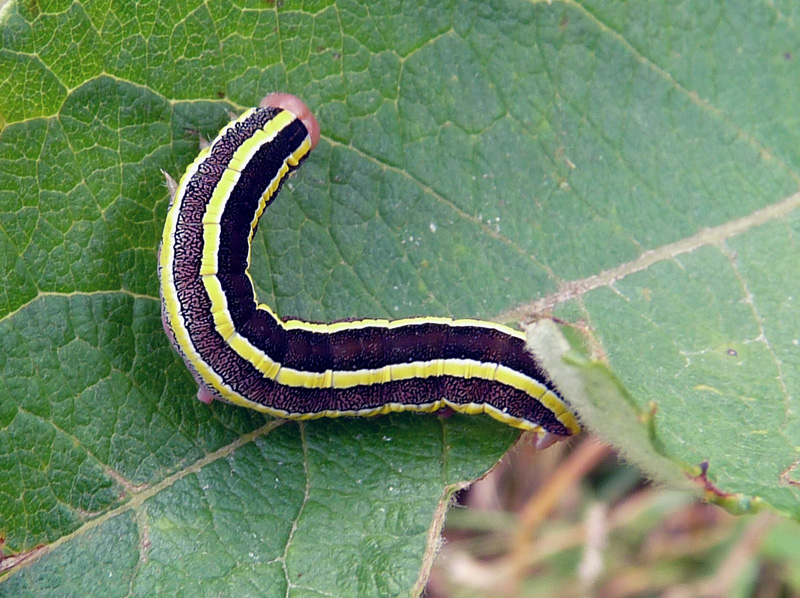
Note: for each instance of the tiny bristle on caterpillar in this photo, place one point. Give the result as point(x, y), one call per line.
point(243, 353)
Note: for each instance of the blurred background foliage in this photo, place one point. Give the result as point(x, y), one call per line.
point(576, 521)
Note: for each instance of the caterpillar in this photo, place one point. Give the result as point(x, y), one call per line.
point(241, 352)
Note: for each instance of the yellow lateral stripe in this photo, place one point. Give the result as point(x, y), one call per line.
point(219, 198)
point(433, 406)
point(393, 324)
point(267, 366)
point(272, 188)
point(222, 191)
point(460, 368)
point(223, 320)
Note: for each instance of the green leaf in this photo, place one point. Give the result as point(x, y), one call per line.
point(629, 167)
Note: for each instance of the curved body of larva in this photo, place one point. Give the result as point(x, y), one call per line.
point(241, 352)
